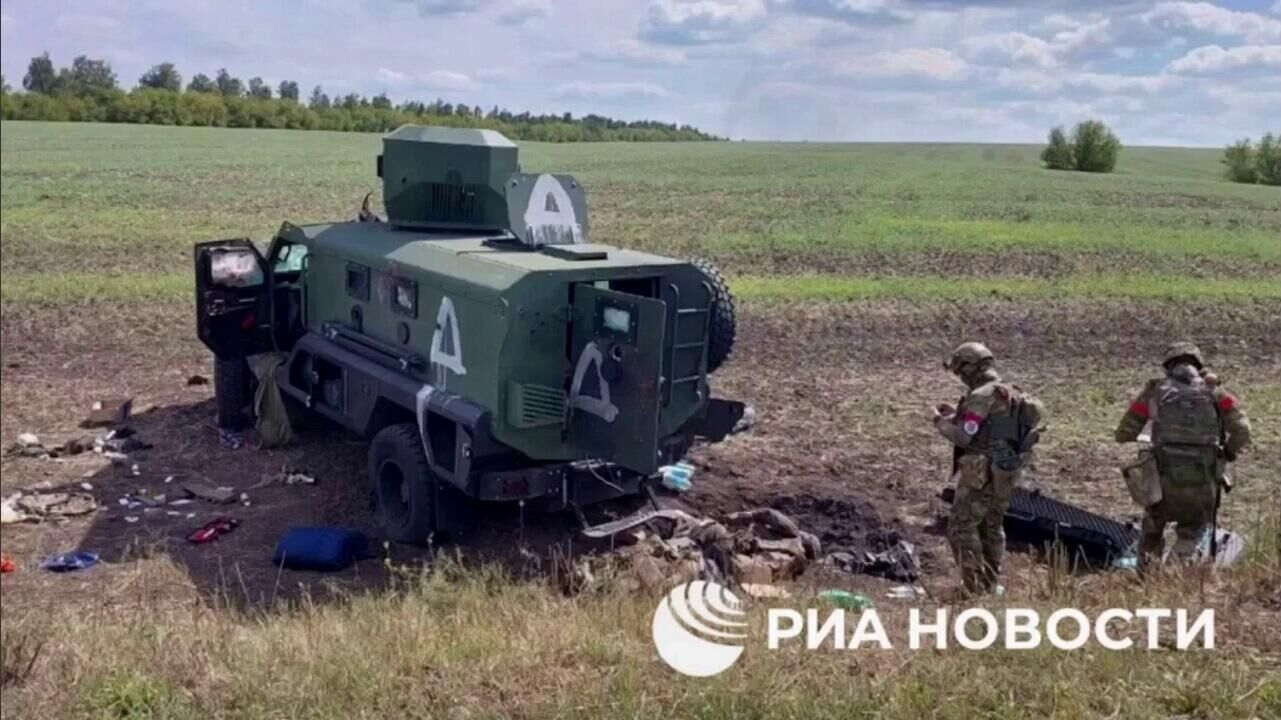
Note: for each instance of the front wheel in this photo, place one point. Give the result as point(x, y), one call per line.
point(404, 487)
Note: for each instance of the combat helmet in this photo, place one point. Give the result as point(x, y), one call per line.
point(1180, 350)
point(970, 353)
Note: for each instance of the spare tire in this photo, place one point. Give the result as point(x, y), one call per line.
point(722, 328)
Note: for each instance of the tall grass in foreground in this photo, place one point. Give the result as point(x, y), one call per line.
point(456, 642)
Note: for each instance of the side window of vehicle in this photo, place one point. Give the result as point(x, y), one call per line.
point(404, 297)
point(358, 281)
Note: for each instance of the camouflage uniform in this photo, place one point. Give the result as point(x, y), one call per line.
point(1188, 499)
point(975, 529)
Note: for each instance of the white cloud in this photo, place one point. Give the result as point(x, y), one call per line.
point(1213, 59)
point(930, 63)
point(1215, 20)
point(1009, 48)
point(1276, 9)
point(519, 12)
point(429, 8)
point(6, 23)
point(610, 91)
point(700, 22)
point(851, 11)
point(629, 51)
point(434, 80)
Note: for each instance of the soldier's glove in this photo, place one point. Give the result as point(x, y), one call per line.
point(1229, 455)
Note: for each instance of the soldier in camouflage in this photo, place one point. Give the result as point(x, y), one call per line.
point(989, 434)
point(1197, 427)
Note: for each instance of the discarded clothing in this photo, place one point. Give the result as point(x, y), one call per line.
point(272, 423)
point(213, 530)
point(70, 561)
point(320, 548)
point(35, 507)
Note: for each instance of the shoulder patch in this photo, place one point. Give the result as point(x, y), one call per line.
point(1140, 408)
point(970, 423)
point(1227, 402)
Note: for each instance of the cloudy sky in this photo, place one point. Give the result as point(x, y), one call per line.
point(1161, 73)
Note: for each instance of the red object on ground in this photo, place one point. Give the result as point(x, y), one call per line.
point(213, 530)
point(7, 565)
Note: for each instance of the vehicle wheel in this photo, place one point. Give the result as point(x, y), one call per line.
point(723, 326)
point(404, 488)
point(233, 392)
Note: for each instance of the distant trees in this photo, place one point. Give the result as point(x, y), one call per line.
point(1246, 162)
point(162, 77)
point(87, 91)
point(202, 83)
point(1093, 147)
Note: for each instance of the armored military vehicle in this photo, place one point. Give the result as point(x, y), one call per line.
point(486, 348)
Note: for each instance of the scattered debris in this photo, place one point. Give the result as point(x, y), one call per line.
point(285, 477)
point(758, 547)
point(213, 530)
point(86, 486)
point(765, 592)
point(37, 507)
point(904, 592)
point(70, 561)
point(230, 439)
point(897, 561)
point(205, 491)
point(677, 477)
point(197, 380)
point(7, 564)
point(131, 518)
point(109, 412)
point(180, 501)
point(846, 600)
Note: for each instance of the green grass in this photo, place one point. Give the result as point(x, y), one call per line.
point(83, 199)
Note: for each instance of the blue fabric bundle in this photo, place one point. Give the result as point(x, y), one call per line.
point(320, 548)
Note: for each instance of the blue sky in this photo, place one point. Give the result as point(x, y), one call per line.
point(1161, 73)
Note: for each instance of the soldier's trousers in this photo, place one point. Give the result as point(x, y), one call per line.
point(976, 529)
point(1192, 518)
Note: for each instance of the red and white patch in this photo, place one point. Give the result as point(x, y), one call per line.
point(970, 423)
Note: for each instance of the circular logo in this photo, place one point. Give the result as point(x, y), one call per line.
point(697, 629)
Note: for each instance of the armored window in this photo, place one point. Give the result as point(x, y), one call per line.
point(358, 281)
point(404, 297)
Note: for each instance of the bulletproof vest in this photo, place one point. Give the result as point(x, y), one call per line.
point(1185, 414)
point(1007, 437)
point(1185, 434)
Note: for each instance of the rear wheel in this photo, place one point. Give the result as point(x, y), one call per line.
point(233, 392)
point(723, 326)
point(404, 487)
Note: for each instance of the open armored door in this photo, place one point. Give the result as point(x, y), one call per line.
point(231, 298)
point(614, 398)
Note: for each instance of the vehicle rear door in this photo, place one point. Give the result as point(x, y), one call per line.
point(616, 348)
point(232, 298)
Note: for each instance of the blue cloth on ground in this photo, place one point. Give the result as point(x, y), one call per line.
point(320, 548)
point(70, 561)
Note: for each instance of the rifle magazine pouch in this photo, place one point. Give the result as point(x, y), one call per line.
point(1143, 481)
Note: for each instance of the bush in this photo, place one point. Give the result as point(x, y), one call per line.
point(1267, 160)
point(1240, 162)
point(1095, 148)
point(1057, 155)
point(1247, 163)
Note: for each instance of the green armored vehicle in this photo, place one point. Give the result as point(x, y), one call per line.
point(483, 345)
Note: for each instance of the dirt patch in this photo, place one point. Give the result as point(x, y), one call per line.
point(843, 444)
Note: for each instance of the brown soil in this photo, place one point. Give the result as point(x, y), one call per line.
point(843, 443)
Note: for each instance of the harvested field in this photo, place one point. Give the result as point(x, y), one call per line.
point(855, 284)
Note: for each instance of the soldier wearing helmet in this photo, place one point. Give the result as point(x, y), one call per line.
point(992, 431)
point(1197, 427)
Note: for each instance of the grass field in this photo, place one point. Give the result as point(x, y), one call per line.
point(857, 266)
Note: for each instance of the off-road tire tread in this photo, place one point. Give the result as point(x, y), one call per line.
point(723, 326)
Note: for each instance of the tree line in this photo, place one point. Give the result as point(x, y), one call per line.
point(1093, 147)
point(88, 91)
